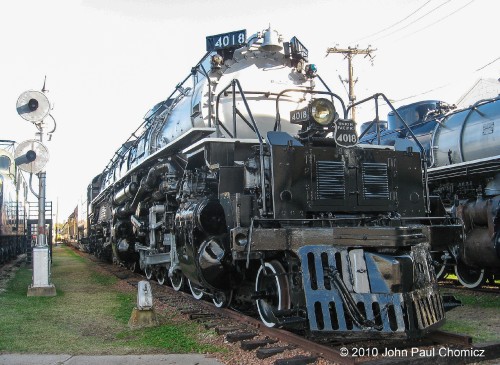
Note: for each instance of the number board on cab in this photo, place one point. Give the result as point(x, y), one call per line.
point(299, 116)
point(226, 40)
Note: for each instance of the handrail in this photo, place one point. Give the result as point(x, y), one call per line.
point(205, 73)
point(232, 85)
point(375, 97)
point(261, 141)
point(357, 218)
point(235, 83)
point(423, 155)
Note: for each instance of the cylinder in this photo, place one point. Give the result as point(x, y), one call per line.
point(479, 249)
point(128, 192)
point(210, 261)
point(207, 216)
point(480, 246)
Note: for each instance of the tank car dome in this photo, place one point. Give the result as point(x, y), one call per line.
point(412, 113)
point(366, 127)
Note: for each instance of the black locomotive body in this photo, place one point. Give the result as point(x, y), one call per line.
point(462, 148)
point(223, 192)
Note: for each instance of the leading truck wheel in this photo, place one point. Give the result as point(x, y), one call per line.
point(271, 284)
point(148, 270)
point(132, 266)
point(161, 274)
point(177, 280)
point(469, 277)
point(196, 292)
point(222, 299)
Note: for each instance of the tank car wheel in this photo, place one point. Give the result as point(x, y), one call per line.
point(161, 274)
point(489, 278)
point(273, 282)
point(148, 270)
point(441, 267)
point(441, 264)
point(469, 277)
point(177, 280)
point(222, 299)
point(196, 291)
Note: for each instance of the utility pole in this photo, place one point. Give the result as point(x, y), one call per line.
point(349, 53)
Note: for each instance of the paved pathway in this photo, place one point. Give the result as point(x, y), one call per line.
point(167, 359)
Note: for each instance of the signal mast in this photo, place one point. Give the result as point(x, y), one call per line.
point(31, 156)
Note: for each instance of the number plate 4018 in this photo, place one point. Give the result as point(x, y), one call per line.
point(226, 40)
point(299, 116)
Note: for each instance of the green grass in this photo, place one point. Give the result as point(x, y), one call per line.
point(477, 331)
point(483, 301)
point(125, 304)
point(177, 338)
point(103, 280)
point(89, 315)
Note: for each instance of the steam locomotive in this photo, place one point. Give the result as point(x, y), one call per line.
point(13, 193)
point(462, 148)
point(247, 186)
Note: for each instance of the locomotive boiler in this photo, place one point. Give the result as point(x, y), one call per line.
point(13, 192)
point(463, 155)
point(247, 186)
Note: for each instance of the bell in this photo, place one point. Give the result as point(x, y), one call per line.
point(271, 41)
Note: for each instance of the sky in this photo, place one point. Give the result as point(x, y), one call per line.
point(108, 62)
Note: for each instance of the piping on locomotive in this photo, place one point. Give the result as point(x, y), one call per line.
point(463, 153)
point(247, 185)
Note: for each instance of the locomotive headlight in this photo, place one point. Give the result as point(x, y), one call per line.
point(322, 111)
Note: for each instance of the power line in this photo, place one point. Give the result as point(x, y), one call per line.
point(495, 60)
point(437, 21)
point(413, 22)
point(393, 25)
point(413, 96)
point(422, 93)
point(445, 85)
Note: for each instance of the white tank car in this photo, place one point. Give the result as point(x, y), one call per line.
point(468, 135)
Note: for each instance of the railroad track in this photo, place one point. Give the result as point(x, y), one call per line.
point(238, 328)
point(451, 284)
point(8, 270)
